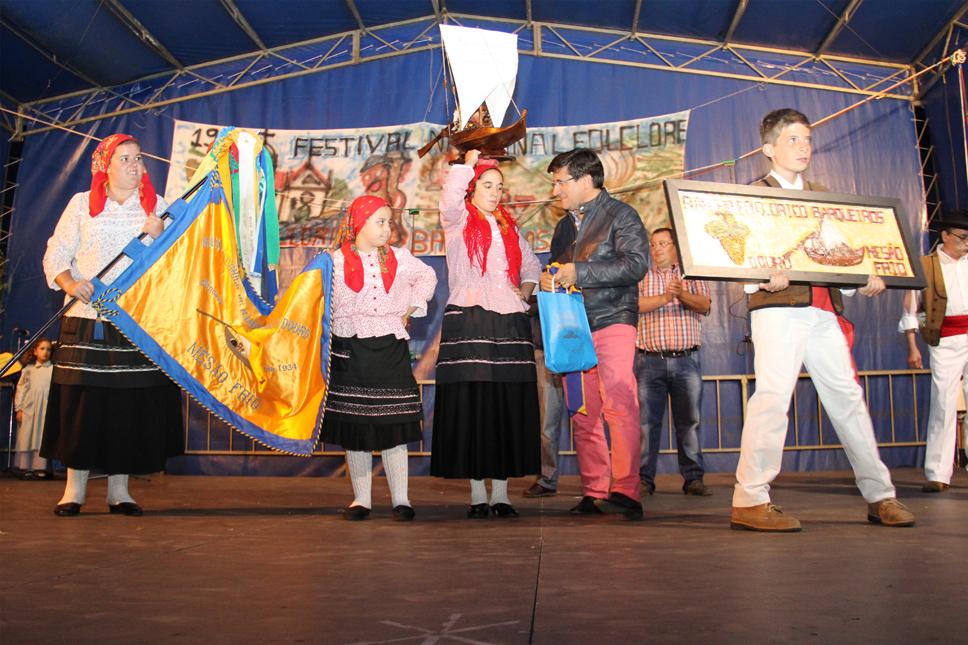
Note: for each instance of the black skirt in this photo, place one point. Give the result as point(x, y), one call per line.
point(373, 401)
point(95, 353)
point(480, 345)
point(486, 420)
point(109, 408)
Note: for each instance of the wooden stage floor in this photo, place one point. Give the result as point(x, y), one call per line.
point(268, 560)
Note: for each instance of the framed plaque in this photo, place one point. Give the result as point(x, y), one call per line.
point(744, 233)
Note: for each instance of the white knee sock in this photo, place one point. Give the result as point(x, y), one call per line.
point(499, 492)
point(36, 461)
point(396, 465)
point(478, 492)
point(76, 489)
point(360, 465)
point(118, 490)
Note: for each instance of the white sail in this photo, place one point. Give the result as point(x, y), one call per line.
point(484, 64)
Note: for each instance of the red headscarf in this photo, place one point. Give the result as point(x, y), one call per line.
point(99, 180)
point(360, 211)
point(477, 232)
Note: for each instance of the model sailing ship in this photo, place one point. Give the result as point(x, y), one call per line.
point(483, 66)
point(829, 247)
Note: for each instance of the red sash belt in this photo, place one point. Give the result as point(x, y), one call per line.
point(821, 300)
point(954, 326)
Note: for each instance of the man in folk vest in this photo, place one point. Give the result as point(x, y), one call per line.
point(944, 306)
point(794, 325)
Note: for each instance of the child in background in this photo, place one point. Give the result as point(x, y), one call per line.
point(373, 401)
point(30, 404)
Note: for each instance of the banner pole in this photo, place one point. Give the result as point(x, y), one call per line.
point(964, 115)
point(70, 303)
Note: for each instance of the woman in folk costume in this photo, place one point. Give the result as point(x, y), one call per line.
point(373, 401)
point(109, 408)
point(486, 409)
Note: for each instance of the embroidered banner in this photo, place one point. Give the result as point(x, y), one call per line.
point(185, 303)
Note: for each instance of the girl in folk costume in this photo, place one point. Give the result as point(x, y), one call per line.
point(373, 401)
point(30, 403)
point(109, 408)
point(486, 408)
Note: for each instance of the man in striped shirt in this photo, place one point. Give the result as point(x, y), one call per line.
point(667, 362)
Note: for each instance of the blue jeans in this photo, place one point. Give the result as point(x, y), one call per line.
point(553, 416)
point(660, 379)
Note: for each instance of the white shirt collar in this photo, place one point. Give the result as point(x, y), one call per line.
point(796, 185)
point(947, 259)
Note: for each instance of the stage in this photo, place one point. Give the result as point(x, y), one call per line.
point(258, 559)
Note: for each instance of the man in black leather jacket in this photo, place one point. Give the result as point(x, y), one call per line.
point(608, 258)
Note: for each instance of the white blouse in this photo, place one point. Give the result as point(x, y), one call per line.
point(372, 311)
point(84, 245)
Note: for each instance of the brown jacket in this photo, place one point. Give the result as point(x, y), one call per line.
point(934, 299)
point(796, 295)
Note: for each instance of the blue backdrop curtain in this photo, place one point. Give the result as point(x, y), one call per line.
point(942, 105)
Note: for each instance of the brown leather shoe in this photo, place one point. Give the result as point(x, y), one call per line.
point(697, 488)
point(935, 487)
point(537, 490)
point(765, 517)
point(889, 512)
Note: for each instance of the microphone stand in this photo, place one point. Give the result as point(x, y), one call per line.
point(21, 348)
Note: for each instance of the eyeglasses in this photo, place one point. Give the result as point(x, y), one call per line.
point(660, 245)
point(558, 183)
point(963, 236)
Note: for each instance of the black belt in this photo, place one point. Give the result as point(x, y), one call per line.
point(679, 353)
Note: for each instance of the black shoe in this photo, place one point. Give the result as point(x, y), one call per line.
point(403, 513)
point(585, 507)
point(126, 508)
point(617, 503)
point(42, 474)
point(478, 511)
point(70, 509)
point(354, 513)
point(503, 510)
point(537, 490)
point(697, 488)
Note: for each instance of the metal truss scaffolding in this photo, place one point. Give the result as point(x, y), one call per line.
point(953, 36)
point(929, 177)
point(723, 59)
point(8, 173)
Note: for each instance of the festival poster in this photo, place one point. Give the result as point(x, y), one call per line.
point(725, 231)
point(319, 172)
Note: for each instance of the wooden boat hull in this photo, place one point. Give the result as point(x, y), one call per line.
point(839, 256)
point(492, 142)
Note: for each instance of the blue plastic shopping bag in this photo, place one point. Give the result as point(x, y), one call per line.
point(565, 332)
